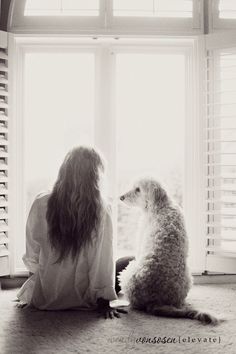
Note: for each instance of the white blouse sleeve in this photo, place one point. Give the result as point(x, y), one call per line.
point(33, 229)
point(101, 263)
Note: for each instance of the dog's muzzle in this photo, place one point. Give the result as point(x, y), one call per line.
point(122, 197)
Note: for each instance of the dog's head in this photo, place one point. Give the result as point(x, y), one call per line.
point(146, 193)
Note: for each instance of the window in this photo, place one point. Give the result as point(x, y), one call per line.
point(47, 16)
point(156, 15)
point(153, 8)
point(223, 14)
point(208, 189)
point(56, 16)
point(58, 115)
point(61, 100)
point(94, 105)
point(61, 8)
point(145, 82)
point(227, 9)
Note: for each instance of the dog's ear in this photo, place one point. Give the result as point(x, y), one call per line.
point(160, 195)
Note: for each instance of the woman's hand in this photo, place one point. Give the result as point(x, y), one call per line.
point(107, 311)
point(21, 304)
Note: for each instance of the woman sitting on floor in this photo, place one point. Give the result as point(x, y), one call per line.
point(69, 241)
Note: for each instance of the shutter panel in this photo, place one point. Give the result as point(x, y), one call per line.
point(221, 158)
point(4, 236)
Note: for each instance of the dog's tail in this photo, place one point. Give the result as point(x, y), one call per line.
point(185, 312)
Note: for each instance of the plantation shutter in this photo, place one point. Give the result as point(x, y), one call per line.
point(4, 236)
point(221, 153)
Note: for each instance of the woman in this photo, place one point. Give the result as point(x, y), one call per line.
point(69, 241)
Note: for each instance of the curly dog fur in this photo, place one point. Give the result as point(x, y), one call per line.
point(158, 281)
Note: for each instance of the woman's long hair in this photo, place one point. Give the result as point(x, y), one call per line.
point(74, 206)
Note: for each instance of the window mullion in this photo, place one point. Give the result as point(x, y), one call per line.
point(104, 120)
point(105, 127)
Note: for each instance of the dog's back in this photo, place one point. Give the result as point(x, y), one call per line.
point(159, 280)
point(161, 275)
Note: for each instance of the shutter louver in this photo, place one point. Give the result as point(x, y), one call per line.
point(4, 236)
point(221, 160)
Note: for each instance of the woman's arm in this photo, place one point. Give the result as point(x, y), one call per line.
point(102, 270)
point(33, 230)
point(101, 262)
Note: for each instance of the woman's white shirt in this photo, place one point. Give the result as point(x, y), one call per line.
point(71, 283)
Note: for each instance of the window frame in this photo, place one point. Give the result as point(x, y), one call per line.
point(105, 48)
point(162, 25)
point(18, 23)
point(217, 23)
point(105, 23)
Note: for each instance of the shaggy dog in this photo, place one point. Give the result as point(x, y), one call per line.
point(158, 281)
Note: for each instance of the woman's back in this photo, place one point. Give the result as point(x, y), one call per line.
point(72, 282)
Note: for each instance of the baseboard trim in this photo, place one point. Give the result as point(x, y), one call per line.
point(214, 279)
point(17, 282)
point(12, 283)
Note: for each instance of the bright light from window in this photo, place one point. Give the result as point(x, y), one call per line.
point(59, 108)
point(150, 118)
point(59, 112)
point(62, 8)
point(227, 9)
point(153, 8)
point(58, 115)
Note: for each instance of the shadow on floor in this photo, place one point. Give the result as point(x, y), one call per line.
point(29, 331)
point(32, 331)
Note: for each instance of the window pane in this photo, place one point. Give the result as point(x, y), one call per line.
point(227, 9)
point(81, 7)
point(153, 8)
point(80, 4)
point(42, 7)
point(59, 109)
point(150, 101)
point(171, 8)
point(62, 8)
point(133, 7)
point(59, 113)
point(43, 4)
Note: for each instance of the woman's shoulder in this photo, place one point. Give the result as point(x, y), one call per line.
point(43, 195)
point(41, 199)
point(106, 209)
